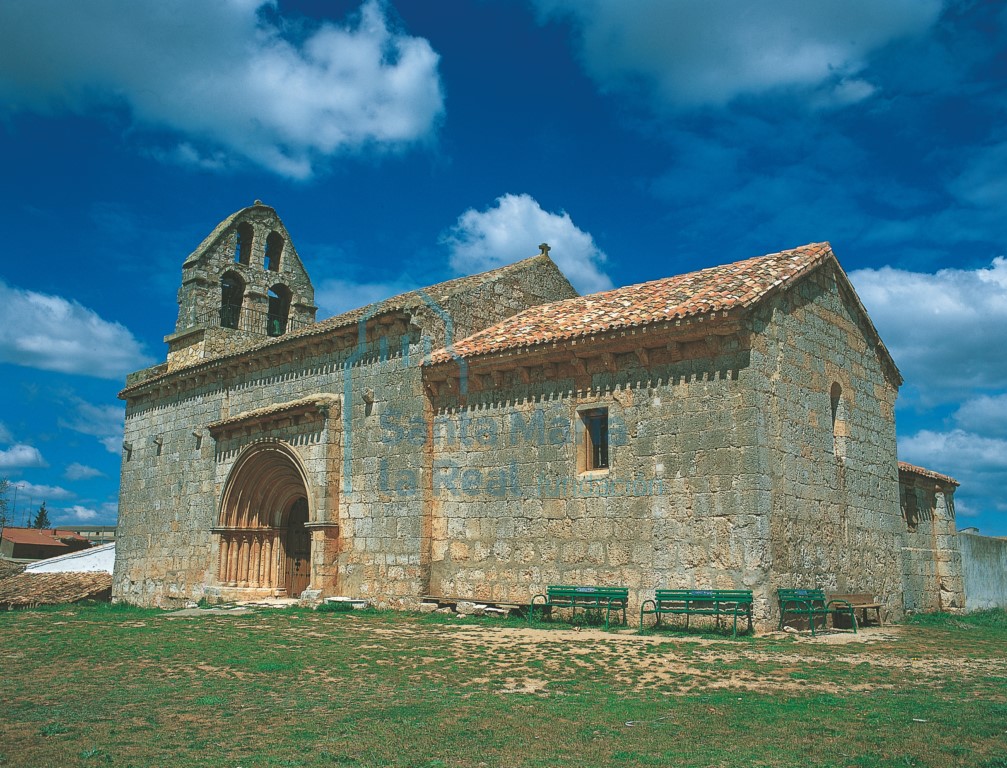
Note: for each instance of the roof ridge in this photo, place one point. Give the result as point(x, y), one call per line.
point(683, 295)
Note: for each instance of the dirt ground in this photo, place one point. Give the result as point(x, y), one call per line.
point(524, 658)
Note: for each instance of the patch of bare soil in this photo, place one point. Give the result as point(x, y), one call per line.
point(680, 665)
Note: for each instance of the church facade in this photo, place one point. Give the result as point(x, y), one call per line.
point(491, 435)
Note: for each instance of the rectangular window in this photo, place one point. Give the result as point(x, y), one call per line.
point(595, 442)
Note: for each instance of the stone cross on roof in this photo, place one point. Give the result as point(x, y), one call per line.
point(544, 249)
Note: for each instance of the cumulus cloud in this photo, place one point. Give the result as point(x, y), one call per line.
point(20, 456)
point(945, 330)
point(227, 79)
point(41, 492)
point(77, 514)
point(708, 52)
point(57, 334)
point(77, 471)
point(985, 413)
point(512, 229)
point(104, 422)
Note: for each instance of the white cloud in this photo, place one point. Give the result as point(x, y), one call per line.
point(104, 422)
point(945, 330)
point(957, 449)
point(18, 456)
point(57, 334)
point(5, 435)
point(77, 514)
point(513, 229)
point(40, 492)
point(698, 52)
point(984, 414)
point(77, 471)
point(226, 77)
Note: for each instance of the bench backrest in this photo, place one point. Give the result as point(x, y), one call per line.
point(803, 595)
point(588, 593)
point(713, 595)
point(856, 598)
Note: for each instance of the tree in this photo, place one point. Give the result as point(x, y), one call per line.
point(42, 518)
point(4, 487)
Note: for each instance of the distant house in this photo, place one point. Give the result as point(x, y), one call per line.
point(38, 544)
point(96, 534)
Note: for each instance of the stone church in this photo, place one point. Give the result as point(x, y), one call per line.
point(490, 435)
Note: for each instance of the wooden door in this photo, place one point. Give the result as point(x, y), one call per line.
point(298, 549)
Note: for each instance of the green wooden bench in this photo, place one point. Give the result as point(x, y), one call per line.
point(587, 598)
point(812, 603)
point(700, 602)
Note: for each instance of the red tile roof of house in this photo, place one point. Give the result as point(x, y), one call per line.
point(914, 470)
point(717, 289)
point(39, 537)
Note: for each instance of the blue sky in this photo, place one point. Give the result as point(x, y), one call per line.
point(405, 143)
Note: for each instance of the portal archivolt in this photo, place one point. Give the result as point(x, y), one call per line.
point(263, 540)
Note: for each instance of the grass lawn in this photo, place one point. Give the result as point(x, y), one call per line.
point(110, 685)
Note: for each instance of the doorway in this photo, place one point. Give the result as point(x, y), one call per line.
point(298, 549)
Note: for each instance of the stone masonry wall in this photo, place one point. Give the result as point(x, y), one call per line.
point(678, 507)
point(831, 457)
point(168, 503)
point(931, 559)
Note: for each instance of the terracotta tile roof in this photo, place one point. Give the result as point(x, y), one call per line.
point(439, 293)
point(912, 469)
point(43, 537)
point(717, 289)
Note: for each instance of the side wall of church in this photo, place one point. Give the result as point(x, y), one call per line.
point(830, 433)
point(683, 503)
point(726, 471)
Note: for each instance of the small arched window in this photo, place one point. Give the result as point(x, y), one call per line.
point(279, 310)
point(232, 294)
point(243, 243)
point(840, 430)
point(274, 247)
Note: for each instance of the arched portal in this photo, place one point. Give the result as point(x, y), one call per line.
point(264, 543)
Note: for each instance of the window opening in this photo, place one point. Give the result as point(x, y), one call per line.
point(232, 293)
point(243, 243)
point(274, 246)
point(279, 310)
point(840, 432)
point(595, 431)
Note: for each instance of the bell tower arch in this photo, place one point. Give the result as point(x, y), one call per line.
point(244, 283)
